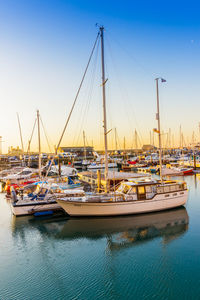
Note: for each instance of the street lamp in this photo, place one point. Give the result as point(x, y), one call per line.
point(159, 131)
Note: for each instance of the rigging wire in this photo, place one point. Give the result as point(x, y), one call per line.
point(77, 94)
point(85, 111)
point(125, 96)
point(29, 142)
point(135, 59)
point(72, 108)
point(45, 133)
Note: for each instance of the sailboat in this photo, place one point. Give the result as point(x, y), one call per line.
point(37, 196)
point(134, 196)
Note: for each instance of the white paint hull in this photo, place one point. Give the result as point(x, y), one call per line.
point(102, 166)
point(158, 203)
point(31, 209)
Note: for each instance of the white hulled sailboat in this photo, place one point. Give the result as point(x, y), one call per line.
point(133, 196)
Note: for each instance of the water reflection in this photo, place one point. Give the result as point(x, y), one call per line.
point(121, 232)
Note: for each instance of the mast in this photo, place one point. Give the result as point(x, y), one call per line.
point(104, 106)
point(170, 144)
point(199, 132)
point(39, 145)
point(84, 145)
point(20, 131)
point(115, 139)
point(180, 137)
point(125, 148)
point(153, 138)
point(136, 140)
point(159, 131)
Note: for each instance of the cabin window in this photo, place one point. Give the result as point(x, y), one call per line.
point(126, 189)
point(120, 188)
point(172, 188)
point(185, 186)
point(141, 190)
point(132, 190)
point(160, 190)
point(25, 172)
point(180, 187)
point(166, 189)
point(149, 189)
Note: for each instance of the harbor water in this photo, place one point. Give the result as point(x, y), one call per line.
point(152, 256)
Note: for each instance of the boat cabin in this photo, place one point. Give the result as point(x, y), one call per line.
point(143, 190)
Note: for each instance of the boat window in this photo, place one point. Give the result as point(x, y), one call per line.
point(132, 190)
point(160, 189)
point(185, 186)
point(148, 189)
point(180, 186)
point(141, 190)
point(120, 188)
point(126, 189)
point(25, 172)
point(166, 189)
point(172, 188)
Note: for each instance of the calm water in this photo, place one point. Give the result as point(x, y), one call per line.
point(155, 256)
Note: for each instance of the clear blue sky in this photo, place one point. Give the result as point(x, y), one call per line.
point(44, 48)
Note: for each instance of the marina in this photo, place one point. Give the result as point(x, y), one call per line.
point(68, 257)
point(99, 150)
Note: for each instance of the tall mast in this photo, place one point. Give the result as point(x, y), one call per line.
point(115, 139)
point(104, 106)
point(39, 146)
point(20, 131)
point(84, 144)
point(153, 138)
point(170, 142)
point(136, 142)
point(199, 132)
point(180, 138)
point(159, 131)
point(124, 144)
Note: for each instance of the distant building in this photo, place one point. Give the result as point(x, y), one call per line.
point(79, 151)
point(15, 151)
point(148, 148)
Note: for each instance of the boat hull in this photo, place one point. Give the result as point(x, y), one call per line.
point(102, 166)
point(24, 210)
point(158, 203)
point(189, 171)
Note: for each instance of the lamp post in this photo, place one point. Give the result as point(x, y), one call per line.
point(159, 131)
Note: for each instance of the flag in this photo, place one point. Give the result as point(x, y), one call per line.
point(163, 80)
point(156, 130)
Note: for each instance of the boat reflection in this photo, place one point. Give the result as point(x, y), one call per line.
point(120, 232)
point(128, 230)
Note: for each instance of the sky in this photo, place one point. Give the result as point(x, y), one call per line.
point(44, 49)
